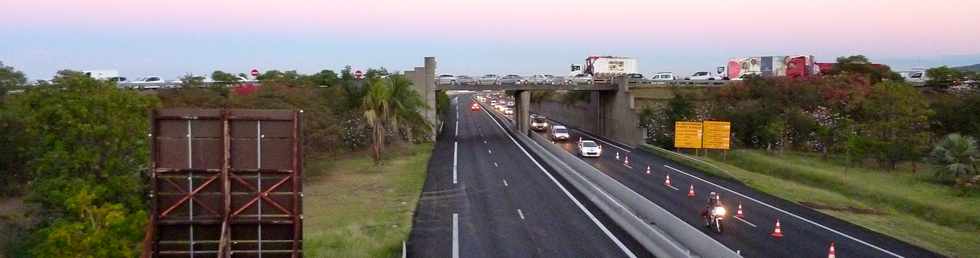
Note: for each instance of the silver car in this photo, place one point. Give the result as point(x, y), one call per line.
point(465, 80)
point(541, 79)
point(512, 79)
point(582, 78)
point(489, 79)
point(446, 79)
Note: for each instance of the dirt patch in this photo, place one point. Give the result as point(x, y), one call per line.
point(849, 209)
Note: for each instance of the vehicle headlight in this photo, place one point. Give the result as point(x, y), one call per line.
point(719, 211)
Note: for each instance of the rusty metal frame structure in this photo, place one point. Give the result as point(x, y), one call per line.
point(225, 183)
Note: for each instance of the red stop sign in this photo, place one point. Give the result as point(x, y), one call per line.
point(255, 72)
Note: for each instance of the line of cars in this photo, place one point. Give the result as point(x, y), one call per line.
point(586, 148)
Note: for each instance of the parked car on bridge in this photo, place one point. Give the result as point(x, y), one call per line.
point(149, 82)
point(559, 133)
point(446, 79)
point(588, 148)
point(582, 78)
point(663, 76)
point(541, 79)
point(465, 80)
point(512, 79)
point(702, 76)
point(489, 79)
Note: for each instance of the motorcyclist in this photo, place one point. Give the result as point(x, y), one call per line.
point(714, 200)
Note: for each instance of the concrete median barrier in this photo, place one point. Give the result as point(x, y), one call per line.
point(659, 231)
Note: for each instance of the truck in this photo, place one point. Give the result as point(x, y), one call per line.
point(603, 69)
point(794, 66)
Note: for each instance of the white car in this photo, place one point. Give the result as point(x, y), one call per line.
point(702, 76)
point(149, 82)
point(465, 80)
point(538, 123)
point(541, 79)
point(582, 78)
point(446, 79)
point(559, 133)
point(509, 111)
point(489, 79)
point(588, 148)
point(665, 76)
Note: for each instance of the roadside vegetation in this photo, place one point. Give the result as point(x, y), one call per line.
point(356, 209)
point(75, 157)
point(859, 144)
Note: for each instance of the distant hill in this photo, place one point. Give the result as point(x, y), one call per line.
point(974, 68)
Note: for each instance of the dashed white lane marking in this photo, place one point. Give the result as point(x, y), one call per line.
point(455, 235)
point(455, 158)
point(672, 187)
point(520, 213)
point(495, 164)
point(568, 194)
point(489, 151)
point(790, 214)
point(745, 221)
point(505, 182)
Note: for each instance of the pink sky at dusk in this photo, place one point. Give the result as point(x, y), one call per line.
point(889, 28)
point(950, 25)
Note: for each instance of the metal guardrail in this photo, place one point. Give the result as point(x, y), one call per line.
point(173, 85)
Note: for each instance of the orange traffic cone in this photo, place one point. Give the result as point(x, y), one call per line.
point(778, 232)
point(667, 182)
point(626, 160)
point(690, 193)
point(738, 212)
point(833, 251)
point(648, 170)
point(617, 155)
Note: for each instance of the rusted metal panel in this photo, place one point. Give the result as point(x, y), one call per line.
point(225, 183)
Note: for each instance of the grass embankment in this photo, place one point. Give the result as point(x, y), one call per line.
point(353, 208)
point(901, 204)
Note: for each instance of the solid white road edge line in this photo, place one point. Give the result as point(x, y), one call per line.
point(455, 235)
point(455, 157)
point(746, 222)
point(605, 230)
point(790, 214)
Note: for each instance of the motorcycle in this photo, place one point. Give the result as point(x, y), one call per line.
point(713, 218)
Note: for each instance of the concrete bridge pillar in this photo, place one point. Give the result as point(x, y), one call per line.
point(617, 117)
point(522, 107)
point(424, 81)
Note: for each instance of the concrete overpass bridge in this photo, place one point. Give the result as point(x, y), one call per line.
point(611, 111)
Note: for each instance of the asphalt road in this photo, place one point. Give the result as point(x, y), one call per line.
point(806, 233)
point(484, 196)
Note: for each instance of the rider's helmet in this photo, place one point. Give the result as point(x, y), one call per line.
point(713, 196)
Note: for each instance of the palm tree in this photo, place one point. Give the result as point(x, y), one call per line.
point(391, 103)
point(956, 155)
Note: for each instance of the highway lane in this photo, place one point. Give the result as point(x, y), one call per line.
point(486, 197)
point(807, 233)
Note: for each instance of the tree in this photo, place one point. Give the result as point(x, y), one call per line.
point(943, 76)
point(323, 78)
point(10, 78)
point(88, 149)
point(221, 76)
point(956, 156)
point(191, 81)
point(391, 104)
point(660, 123)
point(860, 64)
point(894, 120)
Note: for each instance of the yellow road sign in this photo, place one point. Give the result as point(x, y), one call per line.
point(717, 135)
point(687, 135)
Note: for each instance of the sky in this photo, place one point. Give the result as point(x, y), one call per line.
point(171, 38)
